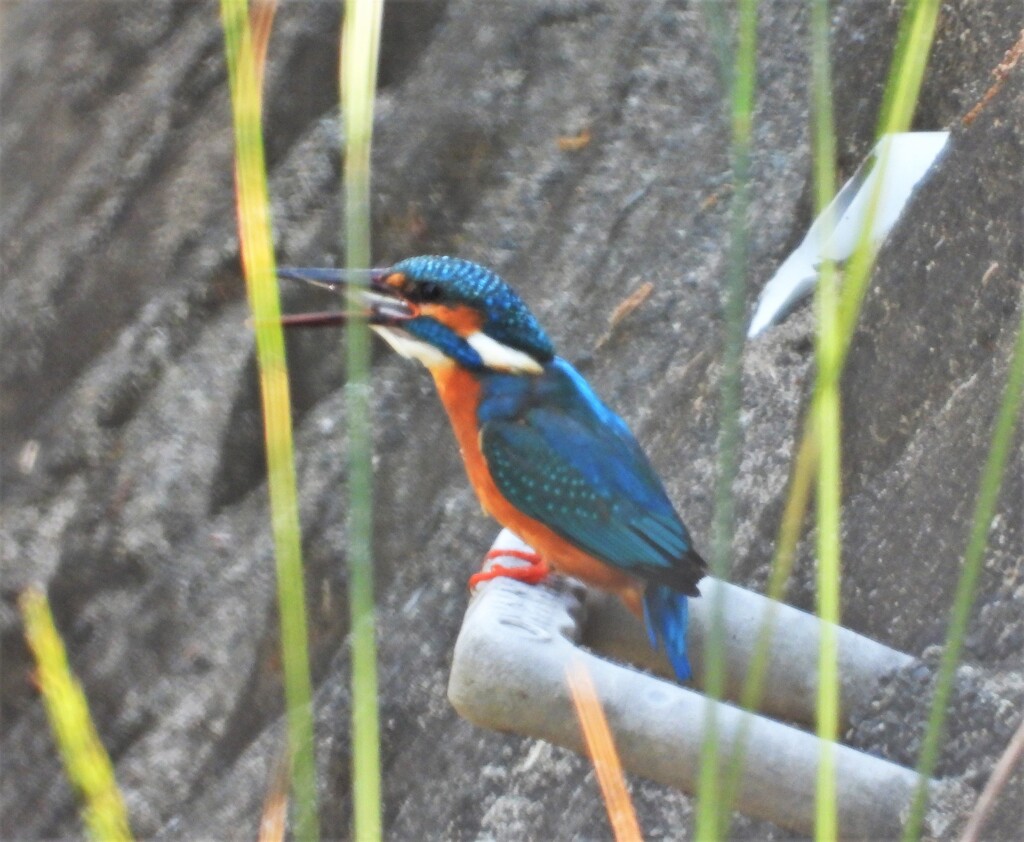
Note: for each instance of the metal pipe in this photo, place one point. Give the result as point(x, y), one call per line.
point(791, 676)
point(508, 674)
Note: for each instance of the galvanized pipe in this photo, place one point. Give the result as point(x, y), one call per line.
point(508, 674)
point(791, 676)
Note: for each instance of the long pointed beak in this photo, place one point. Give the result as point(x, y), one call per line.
point(383, 306)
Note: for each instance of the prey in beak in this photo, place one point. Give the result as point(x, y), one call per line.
point(384, 305)
point(437, 311)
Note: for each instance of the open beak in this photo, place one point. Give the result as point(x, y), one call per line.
point(383, 305)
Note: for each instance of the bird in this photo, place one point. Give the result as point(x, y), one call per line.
point(545, 455)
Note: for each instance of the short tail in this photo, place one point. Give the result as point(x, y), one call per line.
point(666, 614)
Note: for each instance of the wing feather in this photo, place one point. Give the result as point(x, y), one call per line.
point(562, 457)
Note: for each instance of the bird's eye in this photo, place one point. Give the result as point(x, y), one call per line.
point(429, 291)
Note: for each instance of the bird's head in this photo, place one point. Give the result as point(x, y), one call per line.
point(443, 310)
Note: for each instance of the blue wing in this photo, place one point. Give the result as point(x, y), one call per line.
point(561, 456)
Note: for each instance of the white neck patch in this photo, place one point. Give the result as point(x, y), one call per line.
point(501, 357)
point(495, 355)
point(410, 348)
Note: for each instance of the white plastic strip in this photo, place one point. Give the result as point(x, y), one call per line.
point(907, 158)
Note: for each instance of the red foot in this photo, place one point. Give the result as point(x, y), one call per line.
point(526, 555)
point(536, 572)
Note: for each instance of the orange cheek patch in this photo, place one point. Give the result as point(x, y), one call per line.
point(463, 320)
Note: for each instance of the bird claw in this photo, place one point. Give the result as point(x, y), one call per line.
point(537, 570)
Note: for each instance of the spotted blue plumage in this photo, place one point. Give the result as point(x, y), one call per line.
point(506, 318)
point(553, 449)
point(559, 455)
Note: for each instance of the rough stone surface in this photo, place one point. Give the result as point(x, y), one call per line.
point(133, 481)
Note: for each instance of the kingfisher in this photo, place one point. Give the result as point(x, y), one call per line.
point(547, 458)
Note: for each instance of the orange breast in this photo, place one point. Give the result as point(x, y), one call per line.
point(460, 394)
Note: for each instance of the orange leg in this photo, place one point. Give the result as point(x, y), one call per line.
point(536, 572)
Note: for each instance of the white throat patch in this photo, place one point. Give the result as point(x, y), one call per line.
point(495, 354)
point(501, 357)
point(411, 348)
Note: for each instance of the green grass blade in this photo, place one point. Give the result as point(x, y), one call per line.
point(838, 319)
point(86, 762)
point(917, 31)
point(988, 496)
point(901, 96)
point(359, 54)
point(802, 483)
point(712, 809)
point(913, 46)
point(826, 410)
point(258, 260)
